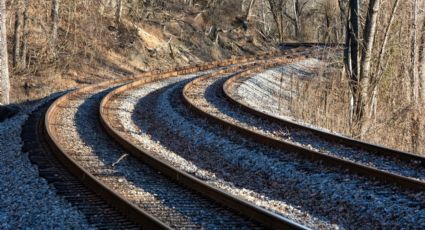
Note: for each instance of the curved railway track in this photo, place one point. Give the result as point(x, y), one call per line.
point(154, 118)
point(95, 173)
point(404, 169)
point(97, 212)
point(112, 126)
point(152, 191)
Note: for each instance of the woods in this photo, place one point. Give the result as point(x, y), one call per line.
point(369, 55)
point(383, 63)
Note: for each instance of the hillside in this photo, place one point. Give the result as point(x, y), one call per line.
point(93, 47)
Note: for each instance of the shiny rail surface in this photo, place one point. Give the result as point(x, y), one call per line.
point(384, 176)
point(117, 201)
point(97, 212)
point(261, 215)
point(229, 86)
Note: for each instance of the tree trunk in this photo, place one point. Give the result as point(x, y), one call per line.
point(17, 39)
point(263, 15)
point(297, 19)
point(354, 36)
point(414, 55)
point(4, 71)
point(25, 35)
point(377, 75)
point(242, 5)
point(414, 83)
point(55, 24)
point(422, 65)
point(249, 10)
point(118, 12)
point(281, 33)
point(382, 51)
point(369, 40)
point(277, 13)
point(342, 18)
point(351, 60)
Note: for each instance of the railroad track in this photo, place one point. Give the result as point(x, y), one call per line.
point(153, 122)
point(145, 179)
point(97, 212)
point(384, 164)
point(111, 123)
point(74, 115)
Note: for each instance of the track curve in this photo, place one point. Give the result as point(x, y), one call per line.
point(241, 68)
point(261, 215)
point(386, 176)
point(265, 138)
point(115, 199)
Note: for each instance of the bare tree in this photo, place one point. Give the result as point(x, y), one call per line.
point(414, 83)
point(188, 2)
point(24, 45)
point(4, 71)
point(330, 12)
point(249, 10)
point(358, 63)
point(17, 37)
point(298, 7)
point(118, 12)
point(422, 64)
point(383, 49)
point(351, 56)
point(379, 67)
point(277, 8)
point(292, 10)
point(55, 23)
point(414, 80)
point(365, 75)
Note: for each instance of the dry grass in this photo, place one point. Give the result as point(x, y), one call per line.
point(91, 48)
point(324, 101)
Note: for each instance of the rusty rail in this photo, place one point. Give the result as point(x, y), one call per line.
point(229, 85)
point(315, 155)
point(335, 161)
point(259, 214)
point(116, 200)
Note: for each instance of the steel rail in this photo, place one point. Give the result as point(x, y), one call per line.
point(114, 199)
point(229, 85)
point(380, 175)
point(261, 215)
point(49, 167)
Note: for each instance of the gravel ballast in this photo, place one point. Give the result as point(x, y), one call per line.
point(271, 91)
point(83, 137)
point(271, 88)
point(26, 200)
point(247, 93)
point(296, 188)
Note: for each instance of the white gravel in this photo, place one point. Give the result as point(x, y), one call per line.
point(303, 191)
point(259, 92)
point(83, 138)
point(26, 200)
point(270, 90)
point(143, 139)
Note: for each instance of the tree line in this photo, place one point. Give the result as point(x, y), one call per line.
point(384, 41)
